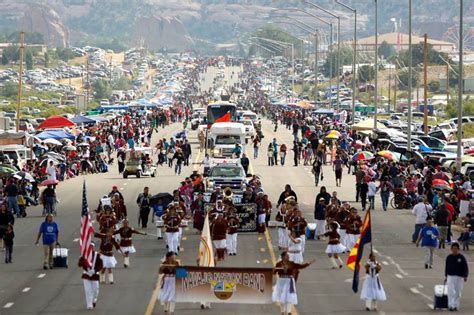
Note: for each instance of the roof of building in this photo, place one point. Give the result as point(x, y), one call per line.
point(392, 38)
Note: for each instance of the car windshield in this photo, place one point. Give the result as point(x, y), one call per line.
point(227, 139)
point(247, 122)
point(220, 171)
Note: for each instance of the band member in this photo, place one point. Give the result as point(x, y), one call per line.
point(261, 212)
point(341, 216)
point(216, 195)
point(233, 226)
point(199, 213)
point(285, 290)
point(295, 248)
point(372, 290)
point(90, 278)
point(168, 282)
point(298, 225)
point(218, 210)
point(107, 245)
point(126, 232)
point(334, 247)
point(107, 219)
point(281, 217)
point(353, 225)
point(267, 205)
point(119, 207)
point(172, 221)
point(218, 234)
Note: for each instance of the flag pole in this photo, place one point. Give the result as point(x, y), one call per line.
point(371, 240)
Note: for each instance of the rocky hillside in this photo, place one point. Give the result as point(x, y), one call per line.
point(177, 24)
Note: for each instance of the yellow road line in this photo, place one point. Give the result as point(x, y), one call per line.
point(268, 238)
point(156, 292)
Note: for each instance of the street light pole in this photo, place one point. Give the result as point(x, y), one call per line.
point(338, 45)
point(354, 58)
point(460, 148)
point(376, 64)
point(316, 61)
point(410, 73)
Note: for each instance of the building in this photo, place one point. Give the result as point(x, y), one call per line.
point(400, 42)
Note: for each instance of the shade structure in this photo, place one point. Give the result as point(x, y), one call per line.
point(389, 155)
point(362, 156)
point(57, 134)
point(82, 120)
point(56, 122)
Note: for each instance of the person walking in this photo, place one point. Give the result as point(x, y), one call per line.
point(338, 164)
point(245, 162)
point(283, 150)
point(6, 218)
point(385, 187)
point(429, 236)
point(256, 146)
point(371, 193)
point(317, 171)
point(364, 189)
point(168, 286)
point(296, 152)
point(90, 278)
point(49, 231)
point(186, 152)
point(334, 248)
point(143, 202)
point(441, 219)
point(421, 211)
point(12, 191)
point(270, 155)
point(275, 150)
point(456, 272)
point(8, 237)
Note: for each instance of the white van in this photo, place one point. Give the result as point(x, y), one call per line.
point(224, 136)
point(17, 152)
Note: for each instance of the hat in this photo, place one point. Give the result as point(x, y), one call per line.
point(114, 187)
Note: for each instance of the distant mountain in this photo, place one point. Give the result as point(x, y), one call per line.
point(178, 25)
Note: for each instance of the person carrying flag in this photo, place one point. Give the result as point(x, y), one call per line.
point(90, 278)
point(372, 290)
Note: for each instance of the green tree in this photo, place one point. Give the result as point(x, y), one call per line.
point(101, 89)
point(433, 86)
point(434, 56)
point(386, 50)
point(366, 73)
point(123, 84)
point(403, 78)
point(9, 89)
point(5, 60)
point(12, 53)
point(346, 58)
point(46, 60)
point(29, 60)
point(274, 33)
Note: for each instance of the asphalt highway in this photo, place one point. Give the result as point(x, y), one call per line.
point(25, 288)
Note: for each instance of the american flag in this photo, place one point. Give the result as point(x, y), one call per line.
point(87, 231)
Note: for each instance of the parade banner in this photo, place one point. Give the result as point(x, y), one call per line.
point(224, 285)
point(246, 212)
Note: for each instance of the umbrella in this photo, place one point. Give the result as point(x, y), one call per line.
point(165, 198)
point(70, 148)
point(389, 155)
point(52, 142)
point(83, 144)
point(333, 134)
point(359, 144)
point(24, 175)
point(362, 156)
point(49, 182)
point(56, 122)
point(440, 184)
point(6, 170)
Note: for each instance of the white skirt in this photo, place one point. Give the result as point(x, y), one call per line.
point(296, 258)
point(283, 238)
point(128, 249)
point(221, 244)
point(109, 261)
point(168, 290)
point(285, 291)
point(261, 218)
point(372, 289)
point(335, 249)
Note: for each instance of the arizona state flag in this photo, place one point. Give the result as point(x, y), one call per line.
point(225, 118)
point(353, 261)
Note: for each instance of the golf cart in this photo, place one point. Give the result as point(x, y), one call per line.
point(138, 162)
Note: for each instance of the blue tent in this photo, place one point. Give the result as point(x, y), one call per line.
point(79, 120)
point(56, 134)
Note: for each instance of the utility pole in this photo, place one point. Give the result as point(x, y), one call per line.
point(316, 61)
point(447, 83)
point(395, 91)
point(376, 101)
point(389, 87)
point(20, 82)
point(425, 85)
point(410, 72)
point(88, 84)
point(460, 149)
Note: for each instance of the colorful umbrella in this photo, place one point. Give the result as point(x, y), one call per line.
point(389, 155)
point(359, 144)
point(6, 170)
point(440, 184)
point(333, 134)
point(362, 156)
point(24, 175)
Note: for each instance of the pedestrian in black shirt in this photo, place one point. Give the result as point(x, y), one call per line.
point(8, 243)
point(456, 273)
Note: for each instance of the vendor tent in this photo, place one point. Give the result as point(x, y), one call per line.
point(367, 124)
point(79, 120)
point(57, 134)
point(56, 122)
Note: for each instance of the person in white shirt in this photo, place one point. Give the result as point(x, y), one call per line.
point(51, 171)
point(371, 194)
point(421, 211)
